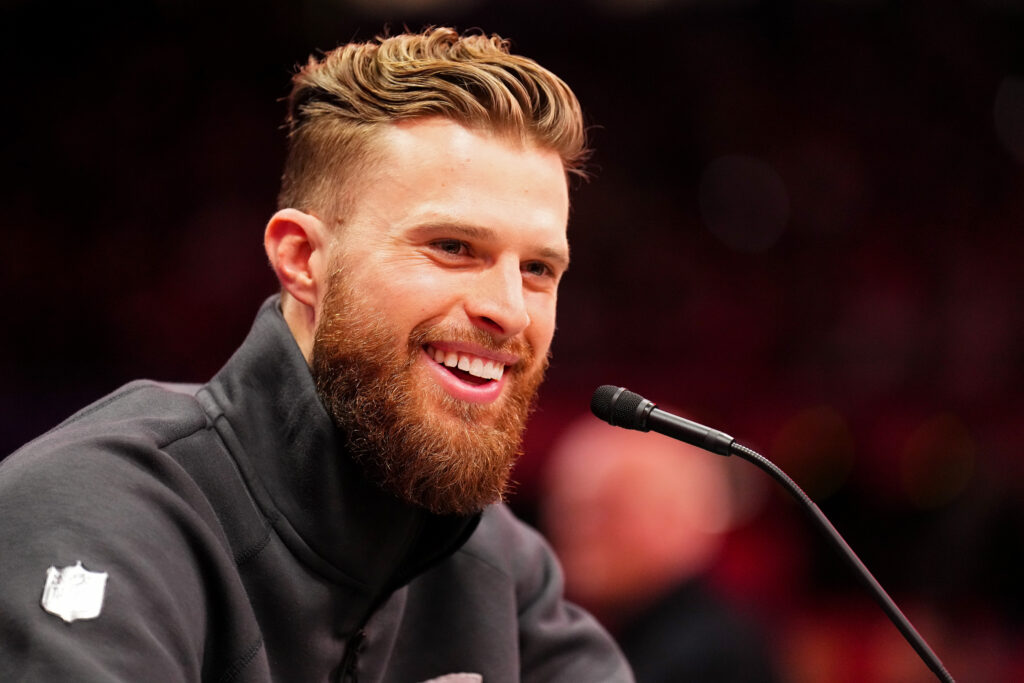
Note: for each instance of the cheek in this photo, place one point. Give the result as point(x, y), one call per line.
point(542, 322)
point(402, 293)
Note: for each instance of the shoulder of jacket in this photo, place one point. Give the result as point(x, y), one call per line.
point(139, 415)
point(506, 542)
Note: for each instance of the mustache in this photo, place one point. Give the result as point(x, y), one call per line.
point(453, 332)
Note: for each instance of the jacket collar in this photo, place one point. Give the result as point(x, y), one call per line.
point(312, 493)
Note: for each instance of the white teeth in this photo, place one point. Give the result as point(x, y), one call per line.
point(474, 365)
point(493, 370)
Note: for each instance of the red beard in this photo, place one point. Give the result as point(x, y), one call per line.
point(417, 442)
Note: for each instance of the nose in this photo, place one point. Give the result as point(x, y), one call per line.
point(496, 303)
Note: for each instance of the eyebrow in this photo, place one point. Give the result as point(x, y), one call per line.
point(482, 234)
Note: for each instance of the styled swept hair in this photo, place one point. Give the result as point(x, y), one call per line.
point(339, 102)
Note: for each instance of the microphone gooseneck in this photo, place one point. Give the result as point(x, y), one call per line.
point(620, 407)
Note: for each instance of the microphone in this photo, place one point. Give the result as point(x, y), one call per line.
point(620, 407)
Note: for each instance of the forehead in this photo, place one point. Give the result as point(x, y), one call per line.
point(440, 169)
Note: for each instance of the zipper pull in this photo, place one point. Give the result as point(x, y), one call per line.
point(356, 644)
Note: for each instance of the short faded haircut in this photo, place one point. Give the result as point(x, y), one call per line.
point(339, 102)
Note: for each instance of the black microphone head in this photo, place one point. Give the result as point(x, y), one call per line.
point(602, 401)
point(620, 407)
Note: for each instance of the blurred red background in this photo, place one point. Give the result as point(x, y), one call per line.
point(803, 226)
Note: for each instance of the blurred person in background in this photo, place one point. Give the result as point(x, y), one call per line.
point(638, 520)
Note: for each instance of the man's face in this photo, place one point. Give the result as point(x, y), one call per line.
point(434, 331)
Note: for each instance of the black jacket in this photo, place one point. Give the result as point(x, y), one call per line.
point(242, 544)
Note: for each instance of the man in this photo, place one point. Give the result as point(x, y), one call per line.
point(323, 509)
point(638, 521)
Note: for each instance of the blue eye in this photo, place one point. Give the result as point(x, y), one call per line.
point(537, 268)
point(453, 247)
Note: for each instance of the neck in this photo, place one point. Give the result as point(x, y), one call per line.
point(301, 321)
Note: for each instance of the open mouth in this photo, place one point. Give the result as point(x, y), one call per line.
point(467, 367)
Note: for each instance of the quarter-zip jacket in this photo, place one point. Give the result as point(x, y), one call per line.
point(241, 543)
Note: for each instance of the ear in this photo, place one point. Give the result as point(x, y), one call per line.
point(295, 244)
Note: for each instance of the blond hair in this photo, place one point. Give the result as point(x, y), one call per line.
point(337, 103)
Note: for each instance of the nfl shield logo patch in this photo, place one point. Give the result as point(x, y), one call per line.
point(73, 592)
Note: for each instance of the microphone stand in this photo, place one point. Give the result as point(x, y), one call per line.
point(846, 552)
point(623, 408)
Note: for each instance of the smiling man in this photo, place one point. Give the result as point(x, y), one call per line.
point(327, 507)
point(429, 317)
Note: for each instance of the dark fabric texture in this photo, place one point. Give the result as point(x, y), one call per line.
point(242, 544)
point(692, 635)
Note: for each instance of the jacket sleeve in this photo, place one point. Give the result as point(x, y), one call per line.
point(118, 508)
point(558, 640)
